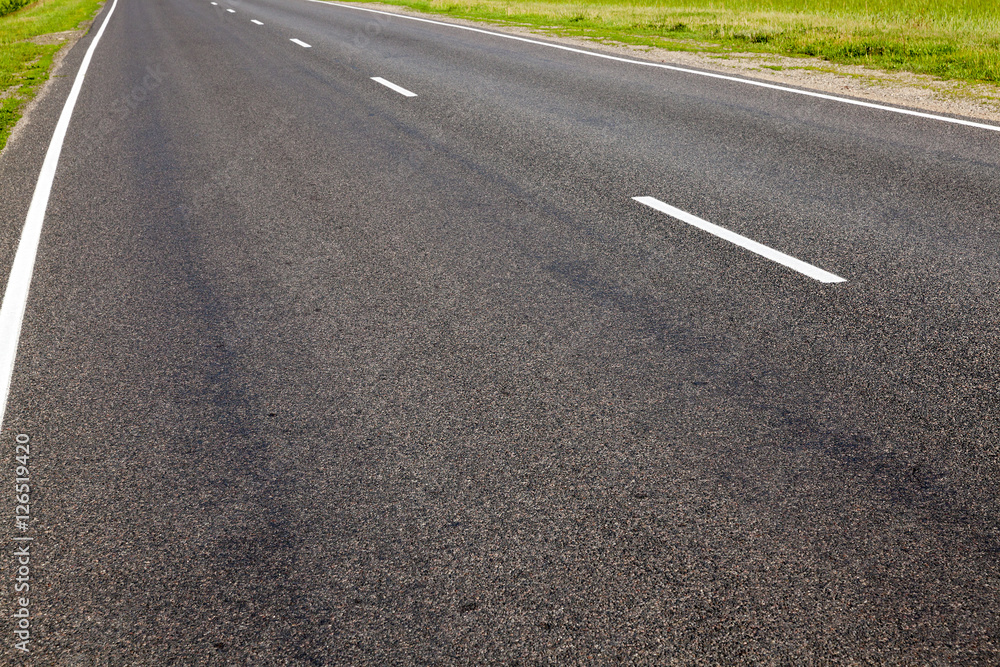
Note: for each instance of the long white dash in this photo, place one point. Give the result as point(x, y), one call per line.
point(390, 84)
point(742, 241)
point(301, 43)
point(15, 297)
point(675, 68)
point(256, 21)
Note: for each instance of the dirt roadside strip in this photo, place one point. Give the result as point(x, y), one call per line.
point(915, 91)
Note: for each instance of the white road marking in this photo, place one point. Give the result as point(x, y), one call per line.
point(301, 43)
point(256, 21)
point(742, 241)
point(231, 11)
point(216, 4)
point(15, 297)
point(674, 68)
point(390, 84)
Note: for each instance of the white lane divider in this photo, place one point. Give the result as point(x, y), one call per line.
point(256, 21)
point(675, 68)
point(301, 43)
point(742, 241)
point(231, 11)
point(216, 4)
point(390, 84)
point(15, 297)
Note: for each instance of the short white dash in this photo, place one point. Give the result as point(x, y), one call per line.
point(231, 11)
point(256, 21)
point(301, 43)
point(216, 4)
point(742, 241)
point(674, 68)
point(390, 84)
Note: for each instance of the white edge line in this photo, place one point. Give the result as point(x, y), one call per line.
point(674, 68)
point(300, 43)
point(742, 241)
point(256, 21)
point(390, 84)
point(15, 296)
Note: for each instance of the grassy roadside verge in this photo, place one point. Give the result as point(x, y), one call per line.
point(26, 58)
point(8, 6)
point(950, 39)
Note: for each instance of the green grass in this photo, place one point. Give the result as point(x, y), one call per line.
point(950, 39)
point(24, 66)
point(8, 6)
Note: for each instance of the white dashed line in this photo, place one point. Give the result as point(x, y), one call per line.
point(256, 21)
point(301, 43)
point(742, 241)
point(231, 11)
point(390, 84)
point(15, 297)
point(216, 4)
point(674, 68)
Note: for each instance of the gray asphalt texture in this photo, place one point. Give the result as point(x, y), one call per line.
point(316, 374)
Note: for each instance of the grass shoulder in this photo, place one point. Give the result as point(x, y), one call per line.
point(29, 40)
point(949, 39)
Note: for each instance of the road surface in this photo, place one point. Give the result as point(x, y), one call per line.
point(317, 370)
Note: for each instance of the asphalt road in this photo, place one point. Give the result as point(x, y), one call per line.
point(317, 373)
